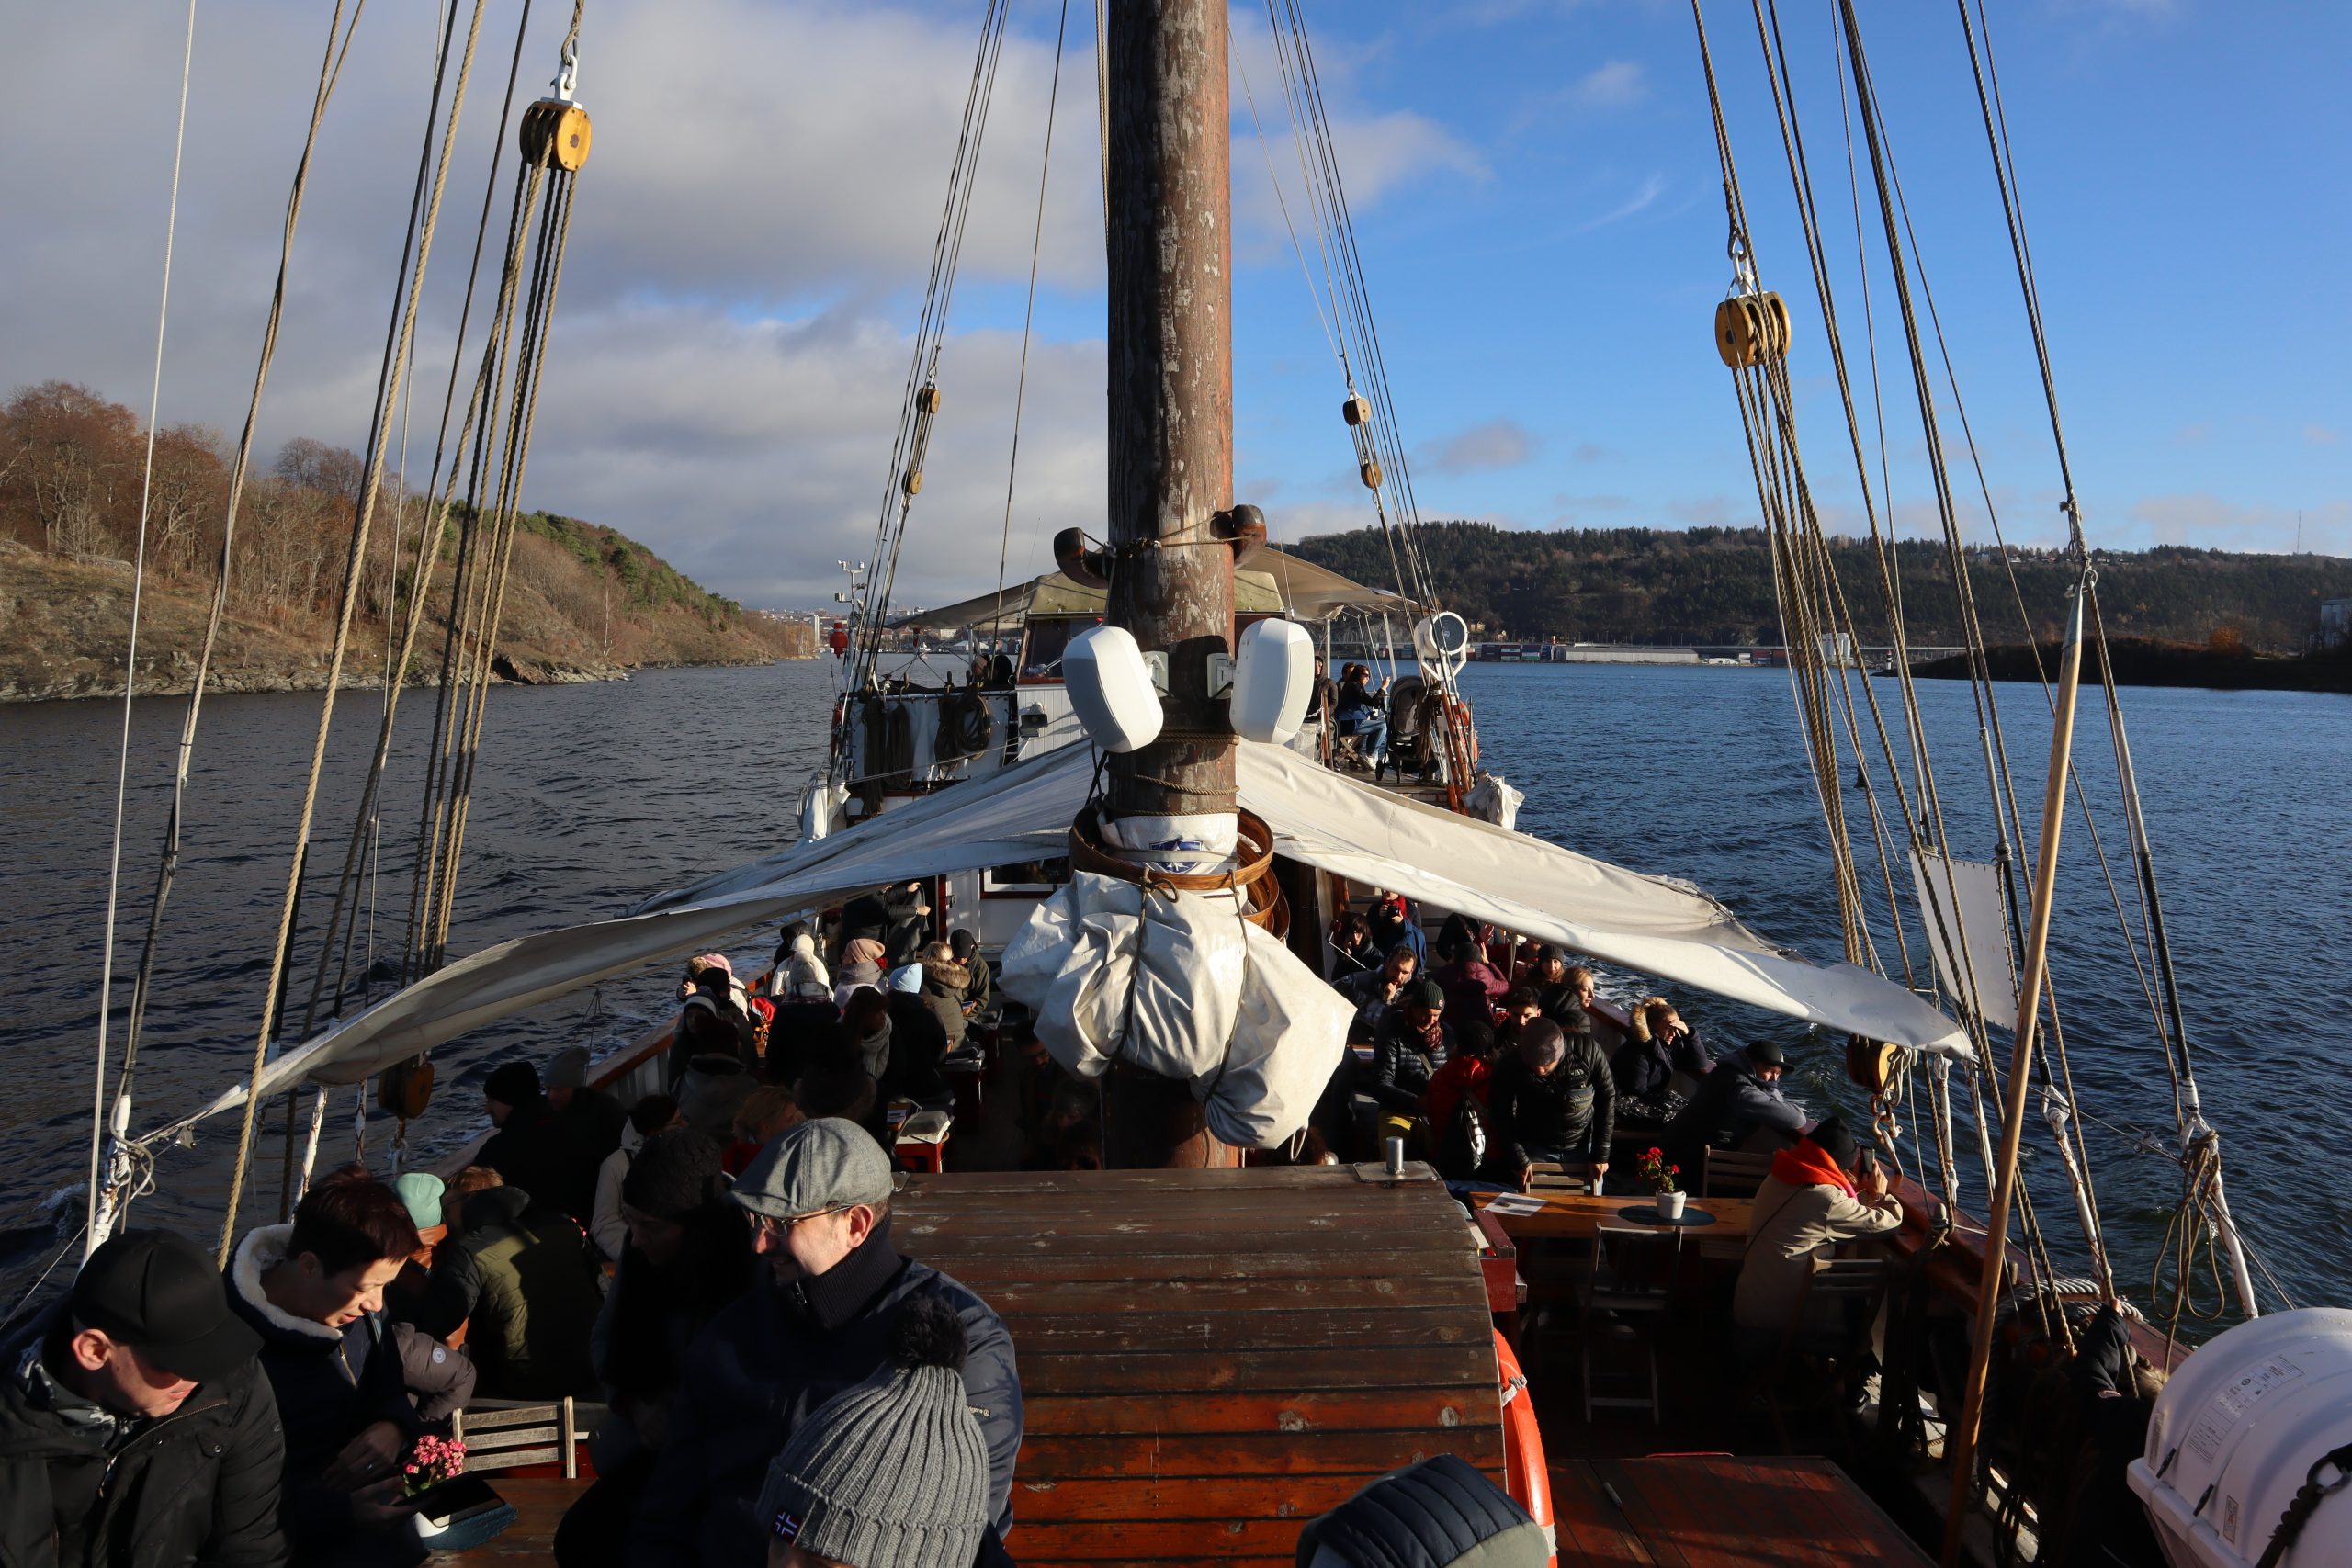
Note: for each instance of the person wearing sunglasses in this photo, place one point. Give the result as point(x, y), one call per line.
point(827, 1293)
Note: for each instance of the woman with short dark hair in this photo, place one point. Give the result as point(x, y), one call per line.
point(315, 1291)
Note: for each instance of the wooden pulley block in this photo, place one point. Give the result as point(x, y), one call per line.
point(1356, 411)
point(1752, 329)
point(405, 1089)
point(913, 482)
point(559, 129)
point(1872, 1063)
point(1370, 473)
point(929, 400)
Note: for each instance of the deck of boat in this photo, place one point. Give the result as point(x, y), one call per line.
point(1209, 1359)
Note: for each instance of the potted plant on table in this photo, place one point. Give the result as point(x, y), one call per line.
point(1660, 1177)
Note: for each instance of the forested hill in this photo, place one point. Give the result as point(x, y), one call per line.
point(582, 601)
point(1715, 586)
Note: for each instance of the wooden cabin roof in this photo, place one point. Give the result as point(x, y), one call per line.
point(1209, 1359)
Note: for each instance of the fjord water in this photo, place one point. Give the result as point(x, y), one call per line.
point(590, 797)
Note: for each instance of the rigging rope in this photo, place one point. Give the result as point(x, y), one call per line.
point(100, 1130)
point(354, 564)
point(120, 1189)
point(1028, 316)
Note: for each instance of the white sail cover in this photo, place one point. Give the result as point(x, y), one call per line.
point(1962, 904)
point(1652, 924)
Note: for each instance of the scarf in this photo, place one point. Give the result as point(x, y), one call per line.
point(844, 1291)
point(1809, 1165)
point(862, 950)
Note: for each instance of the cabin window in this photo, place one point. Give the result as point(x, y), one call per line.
point(1041, 661)
point(1028, 878)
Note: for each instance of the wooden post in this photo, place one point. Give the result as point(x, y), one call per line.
point(1960, 1442)
point(1167, 207)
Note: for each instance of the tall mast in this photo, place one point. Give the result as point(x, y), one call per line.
point(1960, 1448)
point(1168, 211)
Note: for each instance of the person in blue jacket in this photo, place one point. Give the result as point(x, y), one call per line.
point(819, 1319)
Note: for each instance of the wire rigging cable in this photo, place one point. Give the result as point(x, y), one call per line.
point(98, 1119)
point(920, 402)
point(1029, 311)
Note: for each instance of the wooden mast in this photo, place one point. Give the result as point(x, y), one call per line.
point(1168, 212)
point(1960, 1445)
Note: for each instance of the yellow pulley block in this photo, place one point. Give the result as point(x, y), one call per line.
point(1751, 328)
point(1870, 1064)
point(559, 132)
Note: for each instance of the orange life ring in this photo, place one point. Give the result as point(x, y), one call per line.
point(1525, 1476)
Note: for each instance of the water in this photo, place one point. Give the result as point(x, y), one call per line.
point(590, 797)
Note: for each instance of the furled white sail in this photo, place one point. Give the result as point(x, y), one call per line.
point(1653, 924)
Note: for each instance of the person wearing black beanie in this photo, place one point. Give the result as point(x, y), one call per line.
point(525, 1150)
point(688, 1255)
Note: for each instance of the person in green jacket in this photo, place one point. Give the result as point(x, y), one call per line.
point(528, 1279)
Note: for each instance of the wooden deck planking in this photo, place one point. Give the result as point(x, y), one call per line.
point(1209, 1359)
point(1724, 1512)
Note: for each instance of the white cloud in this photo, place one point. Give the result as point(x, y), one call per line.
point(1617, 84)
point(2208, 522)
point(753, 233)
point(1501, 443)
point(1651, 189)
point(2322, 436)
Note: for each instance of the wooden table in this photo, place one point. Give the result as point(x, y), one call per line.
point(539, 1506)
point(1717, 1511)
point(1573, 1217)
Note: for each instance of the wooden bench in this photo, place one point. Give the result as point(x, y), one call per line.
point(1209, 1359)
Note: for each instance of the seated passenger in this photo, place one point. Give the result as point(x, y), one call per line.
point(1360, 713)
point(965, 948)
point(1412, 1046)
point(800, 974)
point(609, 1227)
point(1472, 985)
point(315, 1289)
point(765, 1111)
point(1809, 1204)
point(1374, 991)
point(1658, 1045)
point(815, 1321)
point(1438, 1513)
point(588, 1126)
point(688, 1257)
point(1352, 951)
point(860, 969)
point(917, 1040)
point(1738, 1106)
point(1394, 921)
point(534, 1289)
point(944, 981)
point(1520, 1008)
point(1569, 1004)
point(1461, 1140)
point(1552, 1100)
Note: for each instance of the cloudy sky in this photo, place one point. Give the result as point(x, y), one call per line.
point(1535, 196)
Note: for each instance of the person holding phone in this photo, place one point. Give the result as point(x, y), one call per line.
point(1825, 1189)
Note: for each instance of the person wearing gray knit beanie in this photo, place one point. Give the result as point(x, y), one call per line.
point(892, 1472)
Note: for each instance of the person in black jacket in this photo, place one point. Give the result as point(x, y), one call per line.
point(1553, 1100)
point(315, 1289)
point(1738, 1106)
point(817, 1319)
point(1409, 1048)
point(134, 1427)
point(588, 1123)
point(528, 1148)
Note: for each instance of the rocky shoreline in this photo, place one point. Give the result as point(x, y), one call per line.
point(82, 682)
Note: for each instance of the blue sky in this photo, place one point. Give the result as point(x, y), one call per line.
point(1537, 204)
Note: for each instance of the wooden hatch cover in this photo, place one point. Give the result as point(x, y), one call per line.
point(1211, 1358)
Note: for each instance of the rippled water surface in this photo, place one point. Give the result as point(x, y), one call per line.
point(590, 797)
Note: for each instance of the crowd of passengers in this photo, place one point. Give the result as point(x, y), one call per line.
point(715, 1263)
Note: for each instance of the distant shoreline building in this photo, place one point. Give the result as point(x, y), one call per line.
point(2335, 623)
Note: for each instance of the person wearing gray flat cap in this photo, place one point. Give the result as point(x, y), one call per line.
point(892, 1474)
point(820, 1319)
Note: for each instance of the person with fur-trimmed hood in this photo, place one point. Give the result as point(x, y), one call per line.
point(314, 1291)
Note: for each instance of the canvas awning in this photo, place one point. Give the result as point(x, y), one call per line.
point(1273, 584)
point(1653, 924)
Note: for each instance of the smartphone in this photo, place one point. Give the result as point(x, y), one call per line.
point(459, 1498)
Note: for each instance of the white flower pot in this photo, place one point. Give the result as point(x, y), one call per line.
point(1670, 1205)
